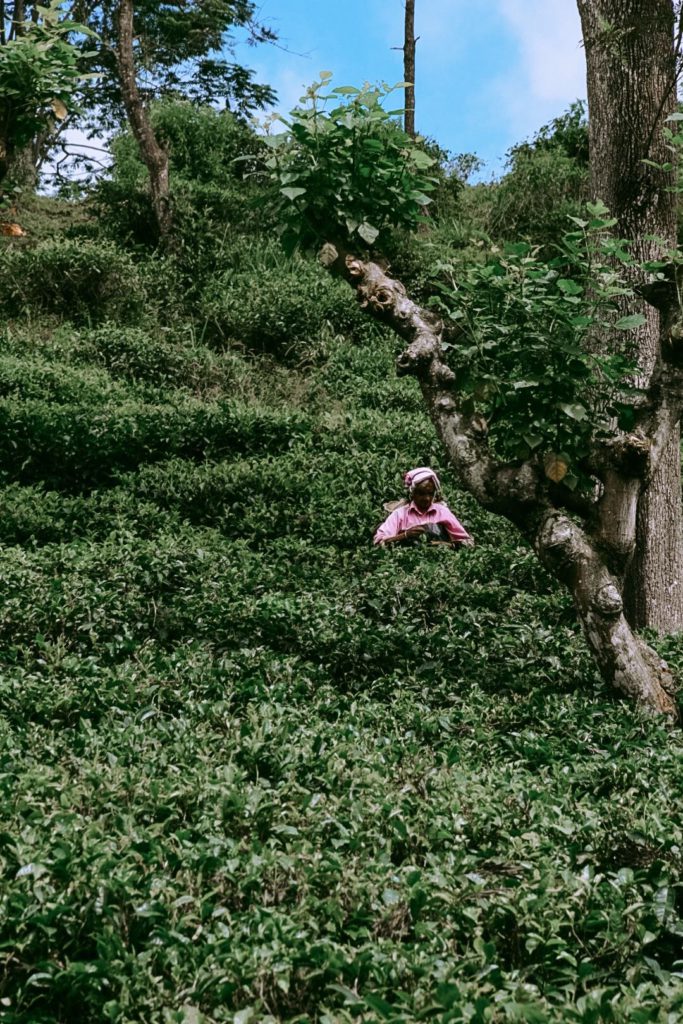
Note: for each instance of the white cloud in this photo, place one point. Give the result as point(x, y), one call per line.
point(550, 72)
point(549, 35)
point(289, 81)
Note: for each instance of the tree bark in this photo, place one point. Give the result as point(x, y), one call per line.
point(409, 42)
point(153, 155)
point(518, 491)
point(631, 77)
point(22, 166)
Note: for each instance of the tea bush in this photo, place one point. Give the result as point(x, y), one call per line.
point(75, 446)
point(253, 769)
point(83, 280)
point(280, 311)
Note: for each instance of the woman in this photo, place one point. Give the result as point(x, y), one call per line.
point(422, 514)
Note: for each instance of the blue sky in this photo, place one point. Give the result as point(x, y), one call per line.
point(488, 72)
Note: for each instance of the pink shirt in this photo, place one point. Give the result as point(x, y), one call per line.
point(407, 516)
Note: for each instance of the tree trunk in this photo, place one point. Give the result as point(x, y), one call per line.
point(518, 491)
point(631, 90)
point(22, 167)
point(153, 155)
point(409, 68)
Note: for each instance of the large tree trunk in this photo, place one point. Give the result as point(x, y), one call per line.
point(22, 167)
point(520, 492)
point(153, 155)
point(409, 67)
point(631, 90)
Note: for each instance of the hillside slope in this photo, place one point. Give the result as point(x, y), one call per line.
point(253, 768)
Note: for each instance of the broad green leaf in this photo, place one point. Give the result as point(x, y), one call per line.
point(628, 323)
point(569, 287)
point(293, 193)
point(367, 232)
point(384, 1009)
point(517, 248)
point(574, 410)
point(421, 160)
point(597, 209)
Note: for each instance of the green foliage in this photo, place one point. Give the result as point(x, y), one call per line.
point(526, 361)
point(214, 195)
point(547, 182)
point(277, 306)
point(536, 198)
point(254, 769)
point(346, 173)
point(185, 49)
point(567, 134)
point(40, 70)
point(79, 279)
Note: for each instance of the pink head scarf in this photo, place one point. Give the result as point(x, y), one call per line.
point(417, 476)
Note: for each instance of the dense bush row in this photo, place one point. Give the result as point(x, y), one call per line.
point(253, 769)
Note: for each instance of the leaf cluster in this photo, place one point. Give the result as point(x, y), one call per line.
point(40, 70)
point(522, 330)
point(344, 170)
point(183, 50)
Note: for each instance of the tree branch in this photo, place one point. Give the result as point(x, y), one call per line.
point(507, 488)
point(520, 492)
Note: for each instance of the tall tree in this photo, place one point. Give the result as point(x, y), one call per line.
point(409, 43)
point(153, 155)
point(631, 67)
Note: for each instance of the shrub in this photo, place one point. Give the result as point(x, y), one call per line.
point(81, 280)
point(538, 196)
point(211, 157)
point(82, 446)
point(279, 309)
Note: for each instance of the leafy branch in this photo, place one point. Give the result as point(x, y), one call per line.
point(344, 169)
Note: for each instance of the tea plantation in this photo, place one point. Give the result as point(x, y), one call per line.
point(252, 768)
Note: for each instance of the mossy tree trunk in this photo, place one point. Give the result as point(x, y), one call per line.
point(153, 154)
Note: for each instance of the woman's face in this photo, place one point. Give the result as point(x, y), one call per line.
point(423, 494)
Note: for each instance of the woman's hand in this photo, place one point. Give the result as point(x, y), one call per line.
point(414, 531)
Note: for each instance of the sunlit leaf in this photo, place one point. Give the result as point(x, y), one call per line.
point(555, 467)
point(293, 193)
point(59, 109)
point(367, 232)
point(628, 323)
